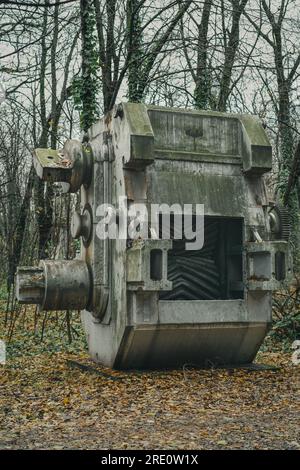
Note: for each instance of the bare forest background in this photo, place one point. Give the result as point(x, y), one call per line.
point(65, 63)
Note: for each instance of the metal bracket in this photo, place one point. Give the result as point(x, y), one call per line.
point(147, 265)
point(71, 166)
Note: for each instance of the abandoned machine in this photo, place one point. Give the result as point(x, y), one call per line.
point(150, 301)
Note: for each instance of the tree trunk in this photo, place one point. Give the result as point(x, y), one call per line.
point(230, 53)
point(202, 88)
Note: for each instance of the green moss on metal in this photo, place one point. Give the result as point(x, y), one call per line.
point(49, 158)
point(138, 119)
point(221, 195)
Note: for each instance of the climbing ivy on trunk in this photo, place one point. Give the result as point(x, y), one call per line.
point(86, 87)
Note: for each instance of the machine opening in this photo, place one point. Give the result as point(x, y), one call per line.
point(213, 273)
point(280, 268)
point(156, 265)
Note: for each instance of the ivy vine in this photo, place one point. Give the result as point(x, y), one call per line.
point(85, 88)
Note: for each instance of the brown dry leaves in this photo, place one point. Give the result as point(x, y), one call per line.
point(46, 404)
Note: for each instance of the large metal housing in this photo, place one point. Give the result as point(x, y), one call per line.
point(150, 303)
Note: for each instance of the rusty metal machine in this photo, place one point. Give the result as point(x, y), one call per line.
point(148, 302)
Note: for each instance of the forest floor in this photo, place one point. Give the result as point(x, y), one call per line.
point(48, 403)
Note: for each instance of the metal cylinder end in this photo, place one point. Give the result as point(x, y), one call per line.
point(30, 285)
point(55, 285)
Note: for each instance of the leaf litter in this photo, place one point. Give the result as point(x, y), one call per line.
point(58, 398)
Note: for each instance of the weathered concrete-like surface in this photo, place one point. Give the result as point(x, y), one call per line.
point(149, 303)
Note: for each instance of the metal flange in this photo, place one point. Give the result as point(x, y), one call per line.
point(81, 225)
point(55, 285)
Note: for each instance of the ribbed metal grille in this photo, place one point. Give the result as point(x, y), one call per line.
point(195, 274)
